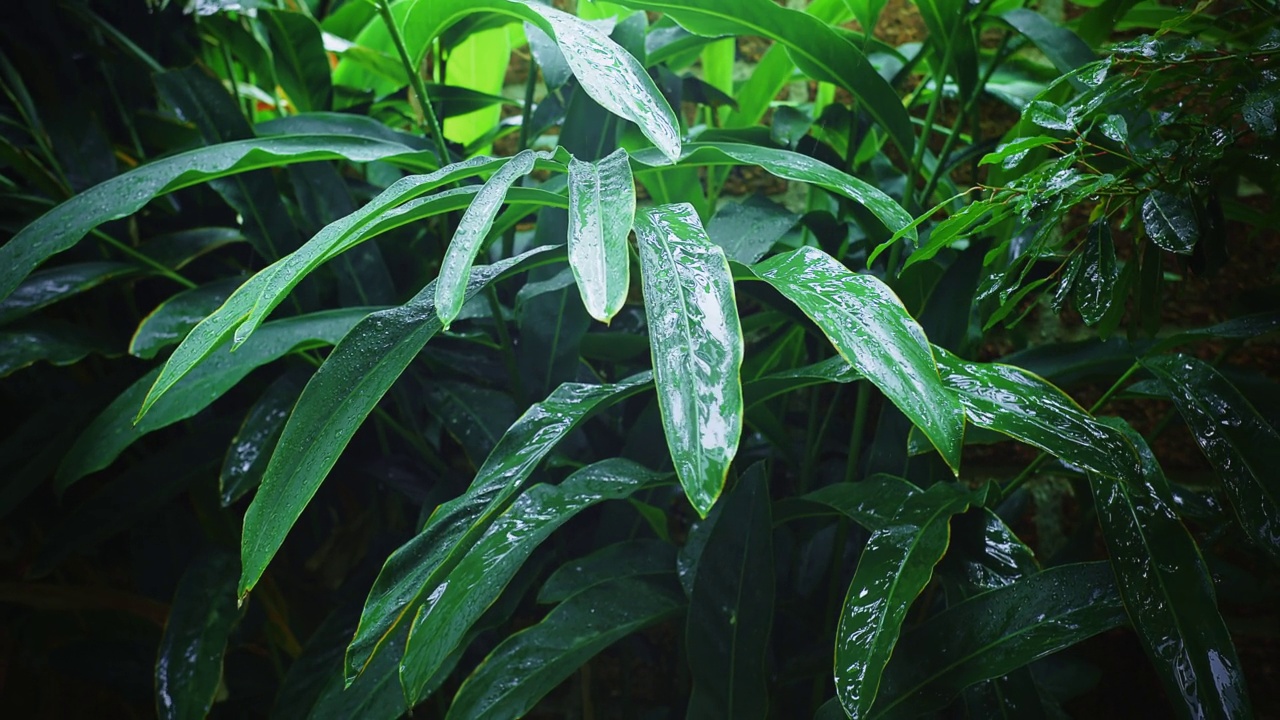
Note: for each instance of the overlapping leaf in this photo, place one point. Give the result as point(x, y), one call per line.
point(602, 206)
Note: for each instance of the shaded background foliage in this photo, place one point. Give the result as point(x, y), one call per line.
point(1076, 192)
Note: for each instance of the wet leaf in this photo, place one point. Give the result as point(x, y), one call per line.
point(46, 287)
point(419, 567)
point(1021, 145)
point(1170, 221)
point(301, 65)
point(531, 663)
point(1168, 593)
point(873, 503)
point(630, 558)
point(475, 416)
point(993, 633)
point(1238, 442)
point(201, 618)
point(172, 319)
point(602, 206)
point(895, 566)
point(251, 448)
point(747, 230)
point(696, 343)
point(492, 560)
point(335, 402)
point(1094, 287)
point(872, 331)
point(54, 343)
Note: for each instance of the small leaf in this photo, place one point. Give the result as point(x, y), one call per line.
point(602, 206)
point(201, 618)
point(531, 663)
point(1048, 115)
point(1170, 221)
point(872, 331)
point(1243, 449)
point(895, 566)
point(1094, 287)
point(629, 558)
point(472, 229)
point(55, 343)
point(492, 560)
point(1021, 145)
point(696, 345)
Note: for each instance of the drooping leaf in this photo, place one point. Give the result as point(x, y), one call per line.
point(1168, 593)
point(251, 448)
point(602, 206)
point(872, 331)
point(629, 558)
point(831, 370)
point(1238, 442)
point(301, 64)
point(121, 196)
point(747, 230)
point(418, 568)
point(177, 249)
point(1062, 47)
point(993, 633)
point(475, 416)
point(472, 229)
point(873, 503)
point(731, 610)
point(335, 402)
point(201, 618)
point(529, 664)
point(172, 319)
point(1170, 221)
point(45, 287)
point(491, 561)
point(895, 566)
point(696, 343)
point(54, 343)
point(114, 429)
point(1095, 286)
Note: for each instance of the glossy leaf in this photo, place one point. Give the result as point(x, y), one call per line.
point(996, 632)
point(531, 663)
point(1062, 47)
point(731, 609)
point(177, 249)
point(630, 558)
point(696, 344)
point(791, 166)
point(114, 429)
point(872, 331)
point(1170, 221)
point(45, 287)
point(1096, 283)
point(201, 618)
point(472, 229)
point(251, 448)
point(54, 343)
point(492, 560)
point(895, 566)
point(335, 402)
point(1024, 406)
point(833, 369)
point(121, 196)
point(1240, 328)
point(815, 47)
point(1243, 449)
point(419, 567)
point(172, 319)
point(301, 64)
point(873, 503)
point(1168, 593)
point(475, 416)
point(747, 230)
point(602, 206)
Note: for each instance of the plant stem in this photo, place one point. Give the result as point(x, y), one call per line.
point(415, 81)
point(149, 262)
point(504, 338)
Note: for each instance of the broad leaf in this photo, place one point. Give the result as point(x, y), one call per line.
point(602, 206)
point(335, 402)
point(630, 558)
point(872, 331)
point(45, 287)
point(895, 565)
point(201, 618)
point(172, 319)
point(1170, 221)
point(1243, 449)
point(696, 343)
point(531, 663)
point(1096, 282)
point(873, 503)
point(419, 567)
point(490, 563)
point(251, 448)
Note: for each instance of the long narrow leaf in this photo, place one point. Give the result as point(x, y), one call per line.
point(201, 618)
point(602, 206)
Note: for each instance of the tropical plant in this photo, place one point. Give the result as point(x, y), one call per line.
point(435, 400)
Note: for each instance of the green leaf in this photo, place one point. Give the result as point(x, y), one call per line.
point(895, 566)
point(1062, 47)
point(731, 609)
point(791, 166)
point(177, 249)
point(1170, 221)
point(1239, 328)
point(747, 230)
point(531, 663)
point(418, 568)
point(114, 429)
point(996, 632)
point(472, 229)
point(335, 402)
point(491, 561)
point(813, 45)
point(301, 64)
point(1024, 406)
point(629, 558)
point(833, 369)
point(602, 206)
point(872, 331)
point(46, 287)
point(251, 448)
point(1168, 593)
point(696, 344)
point(475, 416)
point(172, 319)
point(63, 226)
point(55, 343)
point(873, 503)
point(1243, 449)
point(1094, 287)
point(201, 618)
point(1016, 148)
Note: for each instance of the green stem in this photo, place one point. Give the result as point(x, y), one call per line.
point(415, 81)
point(504, 338)
point(149, 262)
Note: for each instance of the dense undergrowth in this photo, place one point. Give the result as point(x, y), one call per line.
point(342, 381)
